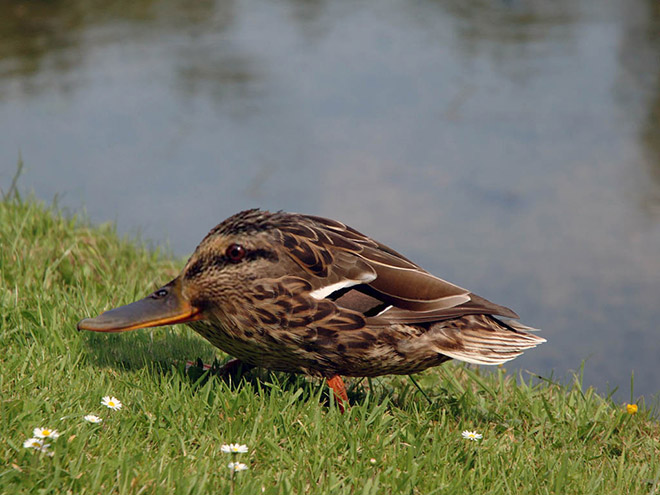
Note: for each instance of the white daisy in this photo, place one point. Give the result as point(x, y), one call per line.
point(111, 402)
point(234, 448)
point(237, 466)
point(472, 435)
point(92, 418)
point(37, 444)
point(33, 443)
point(46, 433)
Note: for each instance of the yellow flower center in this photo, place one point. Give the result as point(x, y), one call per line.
point(45, 433)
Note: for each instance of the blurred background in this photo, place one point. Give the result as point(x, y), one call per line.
point(509, 146)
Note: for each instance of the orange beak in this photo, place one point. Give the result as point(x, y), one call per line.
point(166, 306)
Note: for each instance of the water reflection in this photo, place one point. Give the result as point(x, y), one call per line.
point(512, 25)
point(510, 146)
point(37, 37)
point(640, 62)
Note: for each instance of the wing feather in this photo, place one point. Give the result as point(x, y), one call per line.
point(337, 257)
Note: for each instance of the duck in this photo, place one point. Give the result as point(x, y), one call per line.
point(306, 294)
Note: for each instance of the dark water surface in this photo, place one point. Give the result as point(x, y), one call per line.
point(512, 147)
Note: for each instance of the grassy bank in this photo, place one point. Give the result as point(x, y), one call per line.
point(166, 438)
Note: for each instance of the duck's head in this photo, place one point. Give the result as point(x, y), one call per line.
point(240, 250)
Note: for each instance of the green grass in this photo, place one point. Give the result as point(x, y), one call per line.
point(537, 438)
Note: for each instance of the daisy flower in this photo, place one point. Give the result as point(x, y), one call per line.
point(472, 435)
point(234, 448)
point(33, 443)
point(92, 418)
point(46, 433)
point(237, 466)
point(111, 402)
point(37, 444)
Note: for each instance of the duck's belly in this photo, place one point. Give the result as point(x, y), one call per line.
point(287, 351)
point(259, 349)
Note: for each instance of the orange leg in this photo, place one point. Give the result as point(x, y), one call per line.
point(339, 389)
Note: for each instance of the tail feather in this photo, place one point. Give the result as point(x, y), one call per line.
point(483, 339)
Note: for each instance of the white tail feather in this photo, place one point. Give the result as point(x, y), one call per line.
point(491, 344)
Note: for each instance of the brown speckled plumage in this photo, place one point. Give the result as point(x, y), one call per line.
point(306, 294)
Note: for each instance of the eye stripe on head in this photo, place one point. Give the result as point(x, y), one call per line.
point(235, 254)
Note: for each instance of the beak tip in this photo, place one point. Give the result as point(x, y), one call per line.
point(84, 324)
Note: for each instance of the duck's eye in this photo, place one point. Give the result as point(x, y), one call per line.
point(235, 253)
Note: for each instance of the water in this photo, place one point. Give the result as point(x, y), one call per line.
point(512, 147)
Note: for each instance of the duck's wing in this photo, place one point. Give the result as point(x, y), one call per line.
point(361, 274)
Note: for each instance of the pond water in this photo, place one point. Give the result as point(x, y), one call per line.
point(509, 146)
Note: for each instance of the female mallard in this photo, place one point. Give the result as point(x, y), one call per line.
point(305, 294)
